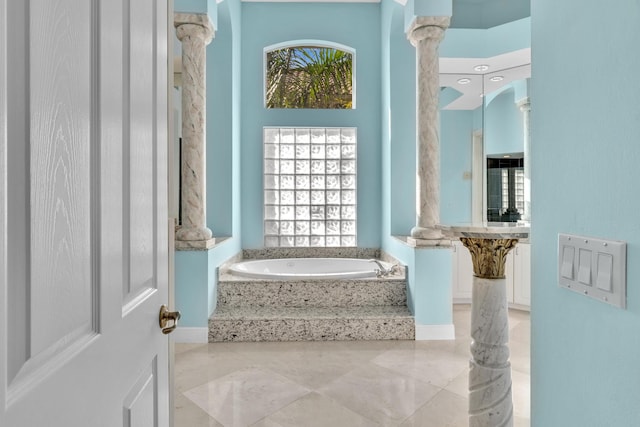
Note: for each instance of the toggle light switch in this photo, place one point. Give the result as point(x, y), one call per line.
point(593, 267)
point(584, 267)
point(604, 272)
point(566, 270)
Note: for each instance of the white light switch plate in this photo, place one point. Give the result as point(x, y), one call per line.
point(593, 267)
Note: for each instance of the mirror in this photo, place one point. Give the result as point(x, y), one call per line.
point(506, 140)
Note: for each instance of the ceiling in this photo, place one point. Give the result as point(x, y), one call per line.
point(510, 66)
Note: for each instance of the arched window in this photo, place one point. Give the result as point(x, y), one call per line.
point(309, 74)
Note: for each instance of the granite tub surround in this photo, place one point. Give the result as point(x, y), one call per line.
point(195, 32)
point(242, 292)
point(490, 385)
point(274, 323)
point(252, 309)
point(425, 34)
point(340, 252)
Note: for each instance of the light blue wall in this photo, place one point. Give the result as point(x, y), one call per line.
point(220, 126)
point(400, 119)
point(488, 13)
point(479, 43)
point(196, 271)
point(429, 270)
point(415, 8)
point(353, 24)
point(503, 125)
point(192, 282)
point(456, 130)
point(199, 6)
point(585, 156)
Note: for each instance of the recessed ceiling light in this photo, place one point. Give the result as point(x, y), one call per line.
point(506, 156)
point(464, 81)
point(497, 78)
point(482, 67)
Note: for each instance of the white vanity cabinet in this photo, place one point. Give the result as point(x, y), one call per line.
point(517, 272)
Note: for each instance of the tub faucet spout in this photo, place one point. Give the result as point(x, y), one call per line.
point(381, 267)
point(384, 272)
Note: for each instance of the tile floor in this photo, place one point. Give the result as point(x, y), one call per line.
point(339, 383)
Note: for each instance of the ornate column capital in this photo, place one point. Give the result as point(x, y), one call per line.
point(488, 255)
point(524, 104)
point(193, 25)
point(428, 27)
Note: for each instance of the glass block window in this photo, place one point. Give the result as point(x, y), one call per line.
point(309, 187)
point(518, 176)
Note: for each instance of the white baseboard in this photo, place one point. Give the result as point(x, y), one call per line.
point(435, 332)
point(190, 335)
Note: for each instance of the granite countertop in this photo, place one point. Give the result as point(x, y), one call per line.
point(493, 230)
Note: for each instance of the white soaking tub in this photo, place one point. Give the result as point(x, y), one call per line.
point(308, 268)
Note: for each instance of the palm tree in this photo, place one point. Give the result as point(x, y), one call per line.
point(309, 77)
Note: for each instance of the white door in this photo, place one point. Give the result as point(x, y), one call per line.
point(83, 236)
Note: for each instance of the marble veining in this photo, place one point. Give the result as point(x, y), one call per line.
point(425, 35)
point(490, 400)
point(195, 32)
point(490, 385)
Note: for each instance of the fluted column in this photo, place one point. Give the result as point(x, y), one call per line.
point(525, 106)
point(195, 32)
point(425, 34)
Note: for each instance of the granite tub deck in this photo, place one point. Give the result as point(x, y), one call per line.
point(311, 310)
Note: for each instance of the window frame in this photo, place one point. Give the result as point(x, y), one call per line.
point(308, 43)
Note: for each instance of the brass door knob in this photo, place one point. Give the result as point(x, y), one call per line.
point(165, 317)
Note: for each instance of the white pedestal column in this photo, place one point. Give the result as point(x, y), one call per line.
point(525, 106)
point(195, 32)
point(425, 34)
point(490, 400)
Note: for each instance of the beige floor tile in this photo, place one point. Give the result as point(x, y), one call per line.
point(521, 390)
point(435, 367)
point(380, 394)
point(460, 384)
point(244, 397)
point(357, 382)
point(202, 364)
point(266, 423)
point(184, 347)
point(520, 357)
point(521, 332)
point(188, 414)
point(521, 422)
point(316, 410)
point(446, 409)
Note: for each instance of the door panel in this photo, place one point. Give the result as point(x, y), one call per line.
point(62, 250)
point(139, 406)
point(83, 213)
point(139, 72)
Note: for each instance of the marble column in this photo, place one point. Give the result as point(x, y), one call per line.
point(195, 32)
point(425, 34)
point(525, 106)
point(490, 396)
